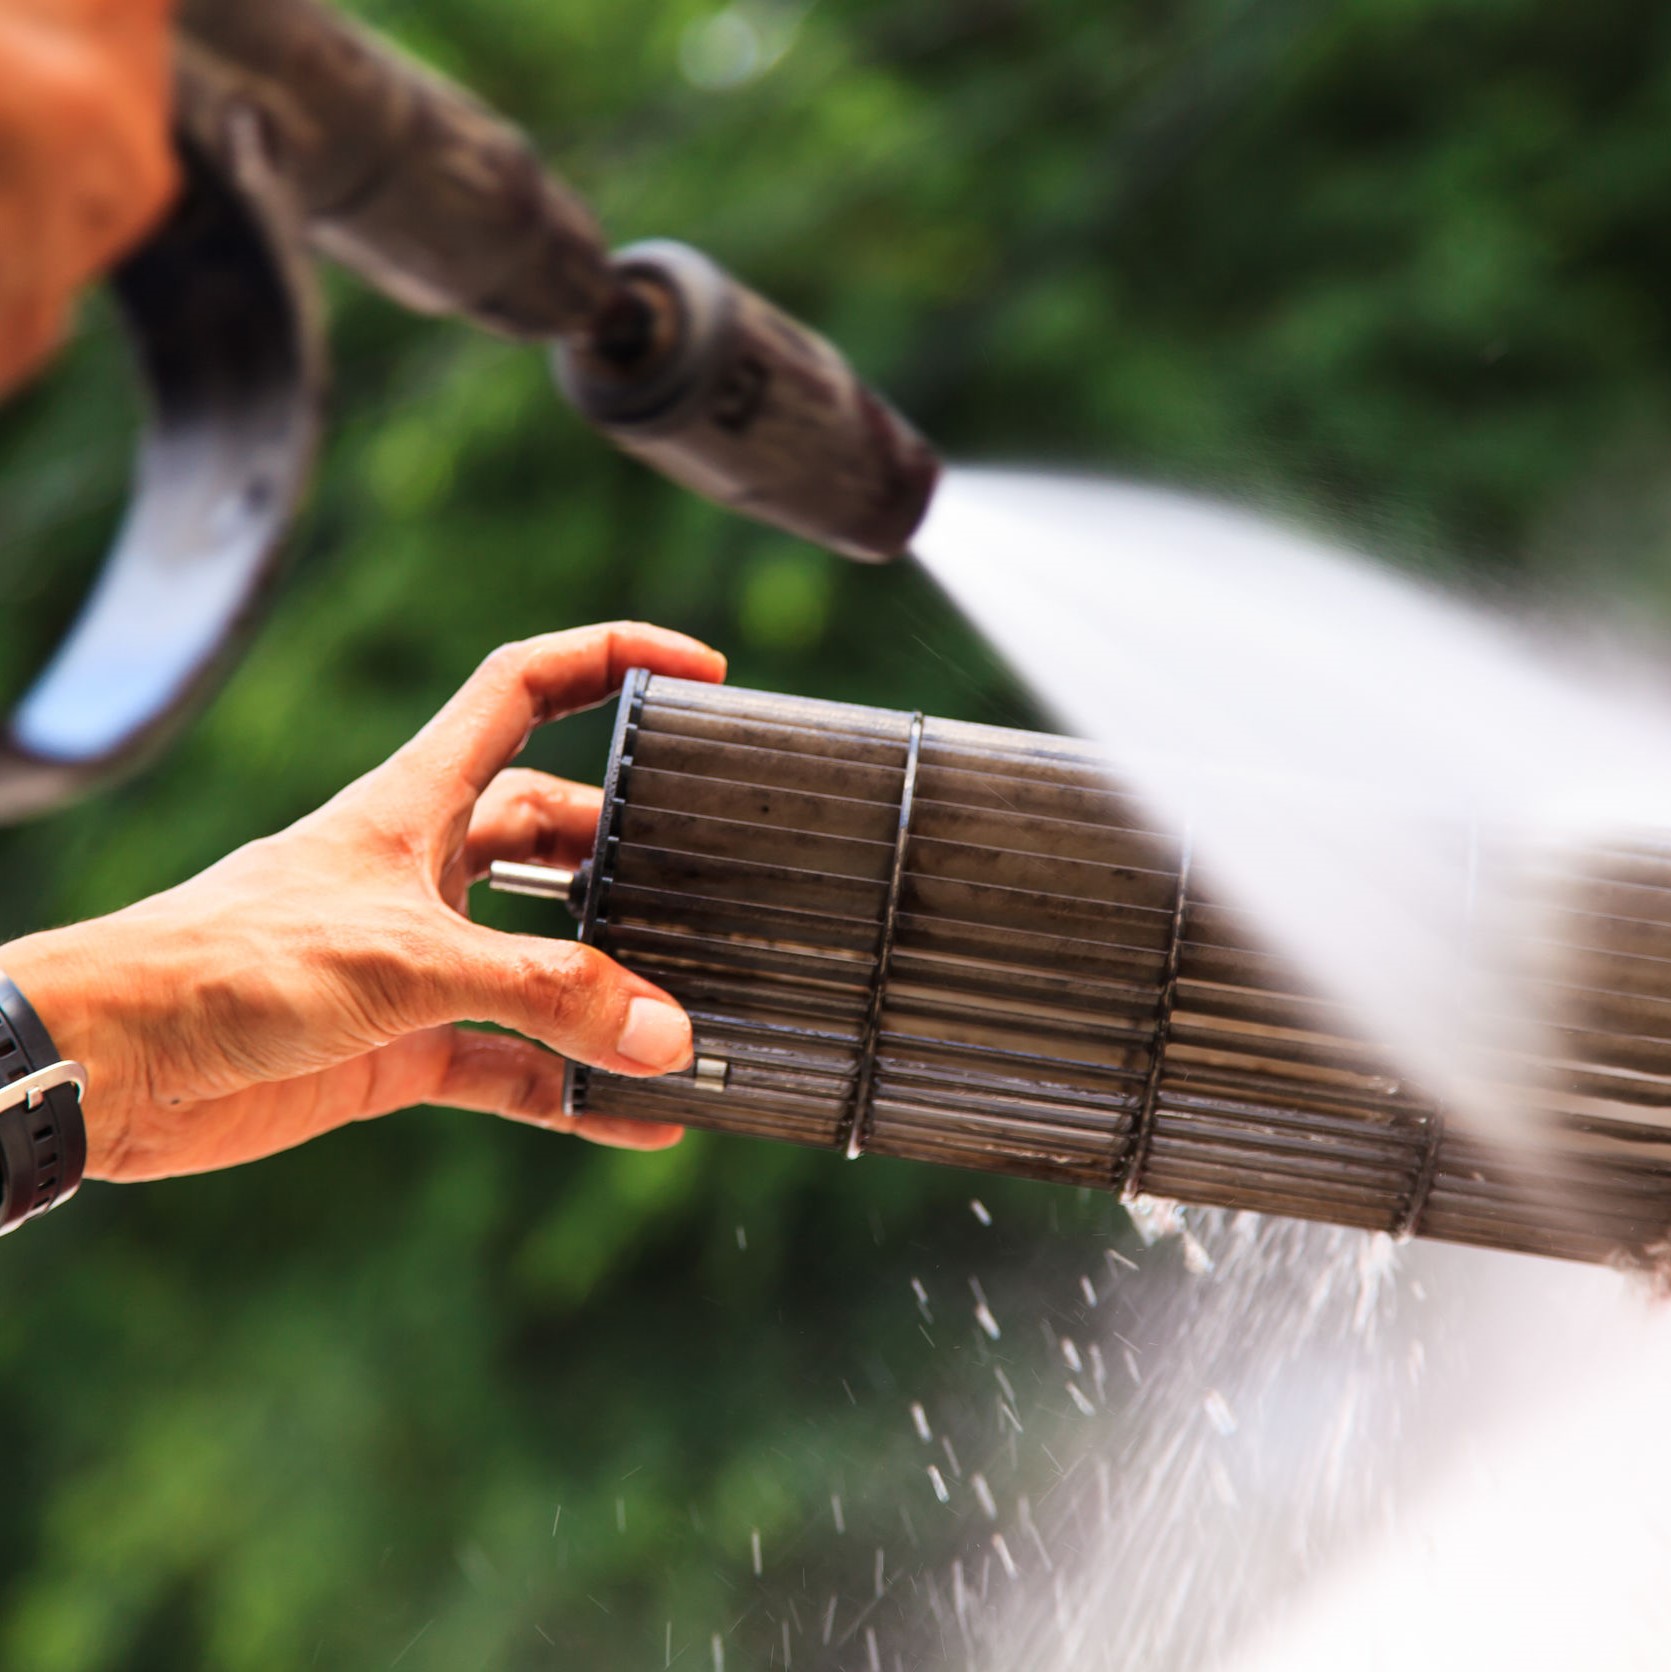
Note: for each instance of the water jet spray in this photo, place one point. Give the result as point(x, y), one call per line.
point(912, 937)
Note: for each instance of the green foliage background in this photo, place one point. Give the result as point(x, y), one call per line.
point(1400, 267)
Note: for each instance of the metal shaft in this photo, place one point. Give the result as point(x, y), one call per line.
point(960, 944)
point(543, 882)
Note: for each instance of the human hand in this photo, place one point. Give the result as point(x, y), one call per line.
point(315, 977)
point(87, 164)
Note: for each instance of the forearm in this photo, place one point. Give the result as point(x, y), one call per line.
point(99, 1001)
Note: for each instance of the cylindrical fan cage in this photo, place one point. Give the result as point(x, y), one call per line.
point(967, 945)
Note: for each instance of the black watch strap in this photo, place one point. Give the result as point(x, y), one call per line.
point(43, 1142)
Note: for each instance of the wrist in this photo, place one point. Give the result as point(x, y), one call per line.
point(78, 997)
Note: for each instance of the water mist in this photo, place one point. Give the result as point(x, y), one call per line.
point(1332, 1452)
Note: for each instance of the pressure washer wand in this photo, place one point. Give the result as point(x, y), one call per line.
point(413, 184)
point(301, 132)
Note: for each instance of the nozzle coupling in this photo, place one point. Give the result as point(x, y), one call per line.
point(698, 376)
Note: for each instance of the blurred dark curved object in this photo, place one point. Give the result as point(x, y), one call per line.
point(220, 313)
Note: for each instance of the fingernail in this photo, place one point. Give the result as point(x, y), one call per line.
point(656, 1035)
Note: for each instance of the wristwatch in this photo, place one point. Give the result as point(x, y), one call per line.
point(43, 1142)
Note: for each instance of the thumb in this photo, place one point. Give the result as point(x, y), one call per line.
point(566, 995)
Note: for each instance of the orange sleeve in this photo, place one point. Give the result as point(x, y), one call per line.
point(85, 161)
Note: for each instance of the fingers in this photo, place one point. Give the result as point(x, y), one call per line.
point(454, 1066)
point(521, 686)
point(525, 815)
point(457, 1067)
point(512, 1078)
point(566, 995)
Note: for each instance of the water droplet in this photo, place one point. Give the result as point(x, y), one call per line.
point(1004, 1556)
point(1219, 1413)
point(1099, 1374)
point(951, 1456)
point(919, 1419)
point(1223, 1490)
point(1024, 1511)
point(1153, 1218)
point(938, 1482)
point(983, 1494)
point(835, 1512)
point(978, 1208)
point(754, 1545)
